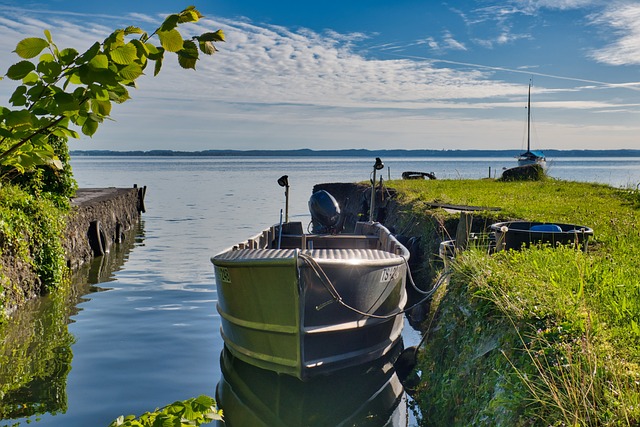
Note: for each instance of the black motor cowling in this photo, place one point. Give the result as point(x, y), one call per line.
point(324, 209)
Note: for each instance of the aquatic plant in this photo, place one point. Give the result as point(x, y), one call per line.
point(191, 412)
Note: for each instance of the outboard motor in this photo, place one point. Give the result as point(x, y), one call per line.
point(325, 212)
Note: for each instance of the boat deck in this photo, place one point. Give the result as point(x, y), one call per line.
point(352, 255)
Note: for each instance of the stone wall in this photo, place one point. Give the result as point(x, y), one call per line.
point(98, 218)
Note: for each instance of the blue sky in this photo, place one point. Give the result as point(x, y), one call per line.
point(377, 74)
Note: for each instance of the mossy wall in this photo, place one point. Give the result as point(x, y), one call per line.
point(31, 263)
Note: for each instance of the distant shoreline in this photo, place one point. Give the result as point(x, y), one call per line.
point(354, 153)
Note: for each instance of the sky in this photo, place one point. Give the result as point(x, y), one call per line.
point(407, 74)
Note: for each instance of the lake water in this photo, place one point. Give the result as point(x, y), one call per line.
point(152, 336)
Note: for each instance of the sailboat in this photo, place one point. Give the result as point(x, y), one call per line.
point(531, 157)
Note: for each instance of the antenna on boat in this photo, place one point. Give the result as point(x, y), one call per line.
point(283, 181)
point(529, 119)
point(376, 167)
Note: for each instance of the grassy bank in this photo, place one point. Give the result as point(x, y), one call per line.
point(543, 336)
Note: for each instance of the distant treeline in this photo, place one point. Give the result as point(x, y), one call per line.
point(355, 153)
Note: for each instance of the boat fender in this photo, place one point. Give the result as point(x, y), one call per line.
point(119, 234)
point(418, 314)
point(97, 238)
point(405, 366)
point(142, 192)
point(414, 244)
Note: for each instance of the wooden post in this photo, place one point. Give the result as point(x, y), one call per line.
point(464, 231)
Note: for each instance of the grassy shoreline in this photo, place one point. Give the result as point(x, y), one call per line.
point(543, 336)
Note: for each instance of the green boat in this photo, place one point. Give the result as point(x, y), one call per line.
point(310, 304)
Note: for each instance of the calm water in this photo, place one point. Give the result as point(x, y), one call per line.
point(153, 336)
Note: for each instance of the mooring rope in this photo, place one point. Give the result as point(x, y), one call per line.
point(324, 279)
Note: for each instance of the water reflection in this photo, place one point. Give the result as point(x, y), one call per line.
point(35, 351)
point(370, 395)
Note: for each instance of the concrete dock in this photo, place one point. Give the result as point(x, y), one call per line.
point(99, 217)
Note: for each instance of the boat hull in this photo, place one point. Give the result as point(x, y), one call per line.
point(532, 158)
point(255, 397)
point(311, 311)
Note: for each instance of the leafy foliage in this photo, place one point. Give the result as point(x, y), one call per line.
point(191, 412)
point(60, 93)
point(30, 230)
point(66, 89)
point(58, 185)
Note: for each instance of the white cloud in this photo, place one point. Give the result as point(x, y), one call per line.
point(451, 43)
point(624, 20)
point(558, 4)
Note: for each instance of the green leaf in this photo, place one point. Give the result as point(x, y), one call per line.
point(119, 94)
point(73, 79)
point(115, 40)
point(189, 15)
point(101, 108)
point(19, 118)
point(89, 54)
point(63, 132)
point(18, 99)
point(131, 72)
point(133, 30)
point(47, 34)
point(205, 401)
point(153, 50)
point(141, 48)
point(169, 24)
point(99, 93)
point(31, 79)
point(125, 54)
point(100, 61)
point(50, 70)
point(66, 102)
point(171, 40)
point(20, 70)
point(189, 414)
point(217, 36)
point(5, 133)
point(47, 57)
point(105, 76)
point(67, 56)
point(89, 127)
point(188, 56)
point(30, 47)
point(158, 66)
point(39, 91)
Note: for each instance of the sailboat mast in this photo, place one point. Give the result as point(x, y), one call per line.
point(529, 120)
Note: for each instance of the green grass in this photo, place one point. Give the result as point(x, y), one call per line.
point(543, 336)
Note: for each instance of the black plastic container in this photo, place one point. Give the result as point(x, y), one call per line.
point(516, 234)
